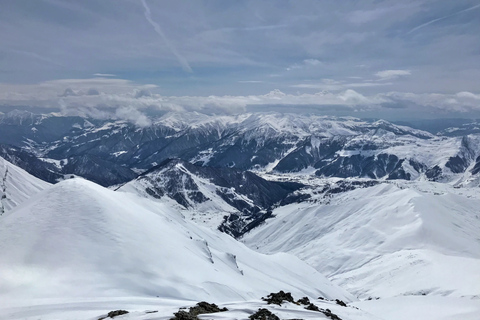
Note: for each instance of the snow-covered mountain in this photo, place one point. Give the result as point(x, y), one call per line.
point(112, 152)
point(16, 185)
point(391, 239)
point(79, 240)
point(334, 192)
point(233, 201)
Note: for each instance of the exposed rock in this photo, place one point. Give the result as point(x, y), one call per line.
point(183, 315)
point(326, 312)
point(304, 301)
point(312, 307)
point(279, 297)
point(205, 307)
point(113, 314)
point(263, 314)
point(200, 308)
point(341, 303)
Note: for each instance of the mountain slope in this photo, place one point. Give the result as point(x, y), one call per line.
point(326, 146)
point(79, 240)
point(386, 240)
point(16, 186)
point(224, 198)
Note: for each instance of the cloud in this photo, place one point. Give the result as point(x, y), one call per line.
point(104, 75)
point(68, 92)
point(392, 74)
point(313, 62)
point(307, 63)
point(148, 15)
point(142, 93)
point(133, 115)
point(231, 41)
point(459, 102)
point(423, 25)
point(335, 85)
point(92, 92)
point(121, 99)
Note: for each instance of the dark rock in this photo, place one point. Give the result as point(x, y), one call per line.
point(205, 307)
point(263, 314)
point(200, 308)
point(278, 298)
point(312, 307)
point(434, 173)
point(476, 168)
point(326, 312)
point(183, 315)
point(330, 315)
point(113, 314)
point(341, 303)
point(304, 301)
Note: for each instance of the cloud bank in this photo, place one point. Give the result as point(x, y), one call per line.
point(123, 99)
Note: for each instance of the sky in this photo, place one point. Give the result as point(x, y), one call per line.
point(130, 58)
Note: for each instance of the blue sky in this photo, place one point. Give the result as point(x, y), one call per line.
point(417, 57)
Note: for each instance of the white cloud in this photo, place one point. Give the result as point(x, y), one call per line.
point(459, 102)
point(392, 74)
point(334, 85)
point(307, 63)
point(103, 75)
point(313, 62)
point(122, 99)
point(133, 115)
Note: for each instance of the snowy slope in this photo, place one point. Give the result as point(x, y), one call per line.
point(163, 309)
point(388, 240)
point(208, 211)
point(78, 240)
point(16, 185)
point(232, 200)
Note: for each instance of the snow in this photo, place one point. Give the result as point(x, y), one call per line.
point(388, 240)
point(58, 163)
point(17, 185)
point(119, 153)
point(161, 308)
point(210, 212)
point(78, 240)
point(426, 308)
point(77, 250)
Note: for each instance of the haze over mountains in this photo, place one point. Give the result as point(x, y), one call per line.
point(345, 208)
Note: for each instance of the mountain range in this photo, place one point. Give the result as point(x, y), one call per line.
point(232, 208)
point(114, 152)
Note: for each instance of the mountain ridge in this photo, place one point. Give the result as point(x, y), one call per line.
point(328, 146)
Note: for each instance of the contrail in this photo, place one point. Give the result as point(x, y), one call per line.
point(148, 15)
point(442, 18)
